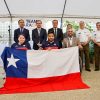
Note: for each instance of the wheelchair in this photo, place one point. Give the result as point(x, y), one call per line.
point(80, 64)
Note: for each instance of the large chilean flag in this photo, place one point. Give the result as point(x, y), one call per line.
point(41, 71)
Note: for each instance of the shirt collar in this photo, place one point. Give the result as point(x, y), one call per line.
point(21, 28)
point(51, 42)
point(70, 37)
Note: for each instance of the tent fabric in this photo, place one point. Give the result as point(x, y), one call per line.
point(82, 8)
point(3, 9)
point(50, 8)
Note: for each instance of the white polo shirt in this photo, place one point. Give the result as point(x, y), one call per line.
point(83, 35)
point(96, 36)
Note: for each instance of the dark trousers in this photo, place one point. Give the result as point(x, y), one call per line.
point(35, 46)
point(60, 44)
point(85, 51)
point(97, 56)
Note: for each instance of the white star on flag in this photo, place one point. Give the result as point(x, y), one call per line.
point(12, 61)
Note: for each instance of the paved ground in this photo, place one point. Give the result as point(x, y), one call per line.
point(91, 78)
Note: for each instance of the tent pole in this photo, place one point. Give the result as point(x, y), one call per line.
point(10, 32)
point(10, 26)
point(63, 12)
point(7, 8)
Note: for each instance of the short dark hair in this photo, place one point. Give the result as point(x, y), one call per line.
point(38, 21)
point(54, 20)
point(50, 32)
point(20, 35)
point(97, 23)
point(20, 20)
point(69, 24)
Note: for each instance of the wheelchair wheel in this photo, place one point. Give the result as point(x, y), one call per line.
point(81, 65)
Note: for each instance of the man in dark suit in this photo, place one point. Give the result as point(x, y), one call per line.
point(57, 31)
point(39, 35)
point(21, 30)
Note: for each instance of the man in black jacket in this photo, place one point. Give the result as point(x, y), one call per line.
point(57, 31)
point(39, 35)
point(21, 30)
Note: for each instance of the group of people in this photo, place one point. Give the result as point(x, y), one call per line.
point(55, 39)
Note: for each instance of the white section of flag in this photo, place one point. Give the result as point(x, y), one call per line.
point(42, 63)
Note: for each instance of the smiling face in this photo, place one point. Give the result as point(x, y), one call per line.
point(21, 39)
point(51, 37)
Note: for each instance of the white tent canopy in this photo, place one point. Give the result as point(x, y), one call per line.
point(85, 8)
point(3, 9)
point(50, 8)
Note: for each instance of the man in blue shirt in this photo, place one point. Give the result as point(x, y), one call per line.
point(51, 43)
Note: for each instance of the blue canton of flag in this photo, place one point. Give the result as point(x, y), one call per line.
point(15, 63)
